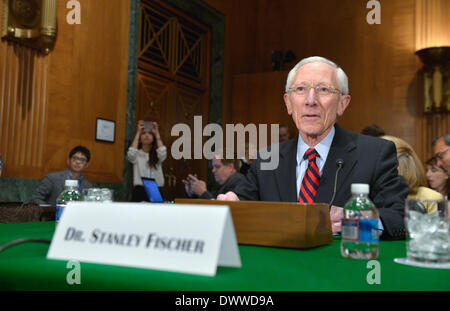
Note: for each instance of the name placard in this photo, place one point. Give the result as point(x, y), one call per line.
point(174, 237)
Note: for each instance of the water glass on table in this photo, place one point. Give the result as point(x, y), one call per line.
point(97, 195)
point(428, 230)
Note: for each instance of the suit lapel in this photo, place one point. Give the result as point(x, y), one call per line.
point(342, 147)
point(285, 174)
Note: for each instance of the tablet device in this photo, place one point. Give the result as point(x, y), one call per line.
point(152, 190)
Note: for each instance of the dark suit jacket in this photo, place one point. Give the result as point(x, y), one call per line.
point(230, 185)
point(367, 160)
point(51, 186)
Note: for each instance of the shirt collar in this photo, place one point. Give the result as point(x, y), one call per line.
point(69, 176)
point(322, 148)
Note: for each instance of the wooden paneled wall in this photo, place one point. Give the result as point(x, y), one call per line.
point(49, 104)
point(23, 93)
point(384, 73)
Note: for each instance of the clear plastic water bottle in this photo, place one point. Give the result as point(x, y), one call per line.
point(360, 232)
point(70, 193)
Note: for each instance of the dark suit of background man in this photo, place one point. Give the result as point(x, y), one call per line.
point(316, 95)
point(53, 184)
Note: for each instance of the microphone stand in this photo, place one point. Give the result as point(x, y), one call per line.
point(340, 164)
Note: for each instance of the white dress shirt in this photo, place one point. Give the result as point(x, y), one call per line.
point(139, 159)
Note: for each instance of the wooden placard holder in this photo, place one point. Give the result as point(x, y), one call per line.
point(278, 224)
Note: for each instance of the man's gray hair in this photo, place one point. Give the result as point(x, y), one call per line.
point(445, 137)
point(341, 77)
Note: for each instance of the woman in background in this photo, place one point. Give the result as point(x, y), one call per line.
point(412, 171)
point(437, 179)
point(146, 153)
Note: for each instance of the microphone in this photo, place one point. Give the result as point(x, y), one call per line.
point(340, 164)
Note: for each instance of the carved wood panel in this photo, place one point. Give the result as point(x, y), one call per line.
point(172, 44)
point(173, 82)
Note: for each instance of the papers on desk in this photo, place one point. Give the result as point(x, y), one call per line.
point(173, 237)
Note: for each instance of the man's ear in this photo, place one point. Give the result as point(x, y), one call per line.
point(343, 104)
point(68, 161)
point(287, 102)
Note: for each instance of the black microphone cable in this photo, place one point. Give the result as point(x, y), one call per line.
point(340, 164)
point(20, 241)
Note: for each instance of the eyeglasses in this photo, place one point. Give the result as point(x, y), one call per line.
point(321, 89)
point(440, 155)
point(82, 160)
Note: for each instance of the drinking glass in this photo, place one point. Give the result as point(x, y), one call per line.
point(427, 223)
point(97, 195)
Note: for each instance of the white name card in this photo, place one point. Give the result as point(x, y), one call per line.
point(174, 237)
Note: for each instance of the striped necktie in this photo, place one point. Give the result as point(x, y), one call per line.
point(310, 182)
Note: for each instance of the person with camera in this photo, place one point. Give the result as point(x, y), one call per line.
point(147, 153)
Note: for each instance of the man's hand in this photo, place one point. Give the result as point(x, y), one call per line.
point(229, 196)
point(197, 186)
point(336, 214)
point(187, 187)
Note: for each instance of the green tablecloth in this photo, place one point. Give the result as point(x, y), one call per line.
point(25, 267)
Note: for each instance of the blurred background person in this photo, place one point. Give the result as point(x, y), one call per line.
point(373, 130)
point(283, 133)
point(1, 165)
point(441, 147)
point(412, 171)
point(250, 153)
point(437, 179)
point(53, 184)
point(147, 153)
point(225, 173)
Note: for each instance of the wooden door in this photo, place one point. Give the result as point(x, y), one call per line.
point(173, 82)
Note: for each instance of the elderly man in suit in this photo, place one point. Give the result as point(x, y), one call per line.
point(53, 184)
point(316, 95)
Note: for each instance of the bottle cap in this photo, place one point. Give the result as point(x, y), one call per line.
point(71, 183)
point(360, 188)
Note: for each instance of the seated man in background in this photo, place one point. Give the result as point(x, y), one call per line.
point(53, 184)
point(316, 94)
point(225, 174)
point(437, 179)
point(245, 162)
point(373, 130)
point(283, 133)
point(441, 147)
